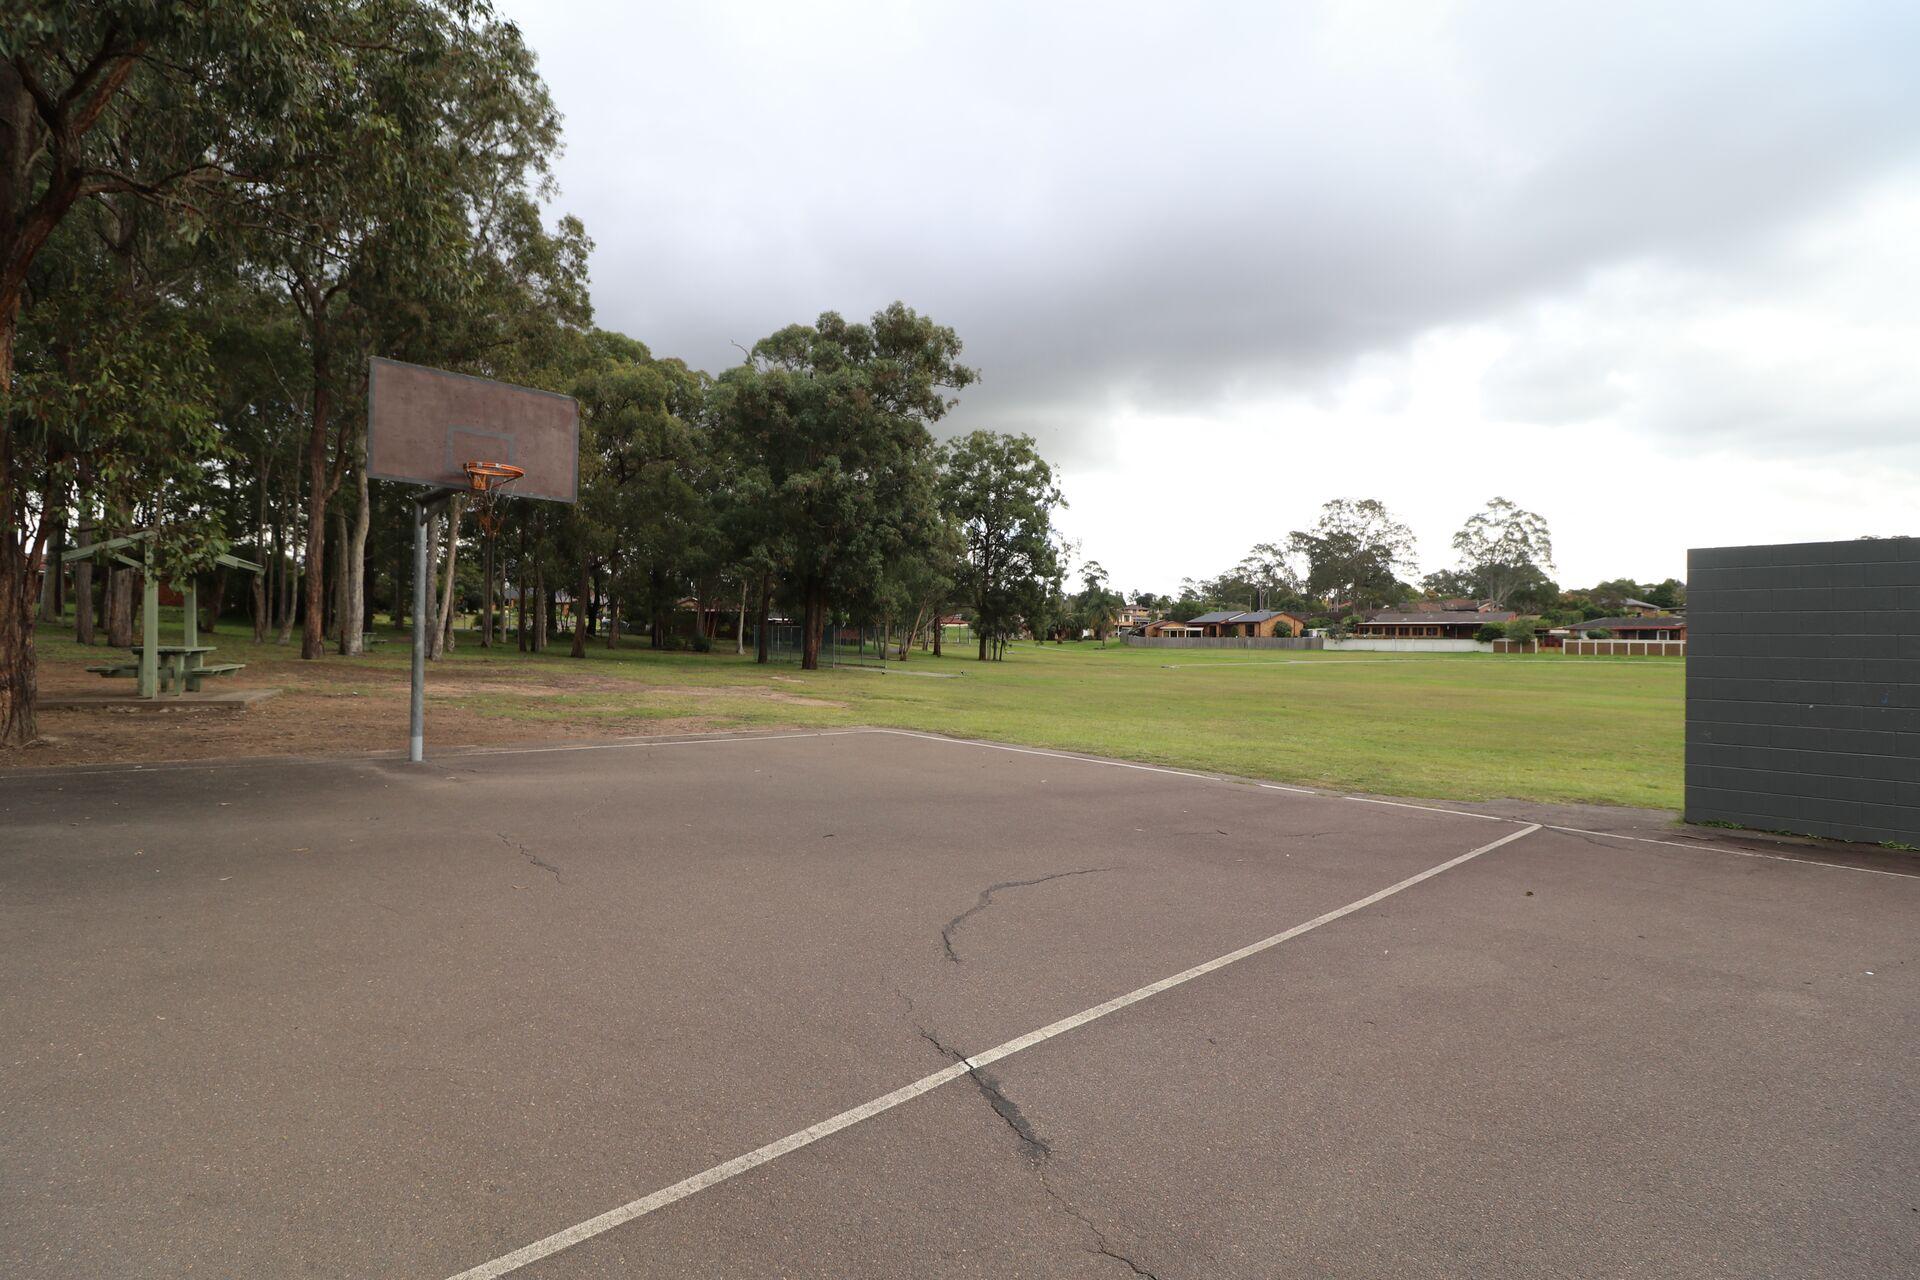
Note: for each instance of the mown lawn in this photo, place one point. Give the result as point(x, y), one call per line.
point(1463, 727)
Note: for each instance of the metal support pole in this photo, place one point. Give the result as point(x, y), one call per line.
point(417, 714)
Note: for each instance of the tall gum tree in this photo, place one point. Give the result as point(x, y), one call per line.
point(1002, 494)
point(831, 423)
point(221, 76)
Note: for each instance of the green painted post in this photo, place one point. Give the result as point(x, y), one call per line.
point(149, 630)
point(192, 594)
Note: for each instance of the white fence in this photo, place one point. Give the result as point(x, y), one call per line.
point(1626, 648)
point(1388, 644)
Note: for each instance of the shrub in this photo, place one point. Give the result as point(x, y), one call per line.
point(1489, 633)
point(701, 644)
point(1520, 630)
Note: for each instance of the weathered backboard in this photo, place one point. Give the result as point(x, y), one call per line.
point(424, 425)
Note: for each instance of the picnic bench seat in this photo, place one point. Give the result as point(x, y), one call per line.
point(113, 669)
point(211, 669)
point(368, 639)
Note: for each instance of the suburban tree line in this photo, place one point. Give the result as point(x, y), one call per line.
point(1358, 556)
point(213, 214)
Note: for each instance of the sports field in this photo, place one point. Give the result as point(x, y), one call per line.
point(844, 1003)
point(1604, 731)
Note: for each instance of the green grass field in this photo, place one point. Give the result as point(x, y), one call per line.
point(1463, 727)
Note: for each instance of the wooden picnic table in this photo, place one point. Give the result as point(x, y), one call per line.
point(178, 662)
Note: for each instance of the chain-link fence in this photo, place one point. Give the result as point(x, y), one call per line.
point(847, 646)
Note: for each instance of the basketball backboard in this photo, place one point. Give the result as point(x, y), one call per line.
point(424, 425)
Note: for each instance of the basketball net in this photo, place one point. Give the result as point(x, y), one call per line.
point(487, 479)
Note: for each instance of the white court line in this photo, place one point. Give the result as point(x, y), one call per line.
point(550, 1245)
point(1430, 808)
point(1057, 755)
point(1182, 773)
point(1744, 853)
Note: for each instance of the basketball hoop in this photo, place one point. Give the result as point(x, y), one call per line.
point(486, 480)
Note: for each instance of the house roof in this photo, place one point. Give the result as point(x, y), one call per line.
point(1665, 622)
point(1631, 603)
point(1453, 604)
point(1257, 615)
point(1431, 617)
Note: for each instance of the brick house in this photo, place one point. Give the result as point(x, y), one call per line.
point(1672, 626)
point(1256, 622)
point(1431, 624)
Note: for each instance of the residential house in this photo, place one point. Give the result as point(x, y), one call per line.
point(1458, 605)
point(1256, 622)
point(1432, 624)
point(1265, 623)
point(1170, 629)
point(1672, 626)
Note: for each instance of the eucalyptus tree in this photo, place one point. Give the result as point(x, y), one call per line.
point(1354, 553)
point(318, 136)
point(1003, 495)
point(828, 425)
point(127, 102)
point(645, 472)
point(432, 140)
point(1505, 551)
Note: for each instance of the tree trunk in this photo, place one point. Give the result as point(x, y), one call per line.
point(313, 634)
point(542, 609)
point(217, 600)
point(813, 618)
point(443, 613)
point(83, 582)
point(353, 608)
point(580, 609)
point(18, 589)
point(740, 624)
point(433, 595)
point(520, 575)
point(257, 594)
point(120, 607)
point(289, 593)
point(51, 574)
point(613, 621)
point(336, 627)
point(760, 638)
point(486, 599)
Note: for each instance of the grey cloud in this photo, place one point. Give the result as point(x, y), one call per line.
point(1175, 207)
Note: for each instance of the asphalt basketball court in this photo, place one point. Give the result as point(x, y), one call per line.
point(873, 1003)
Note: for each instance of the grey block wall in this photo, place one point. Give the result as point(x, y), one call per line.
point(1803, 688)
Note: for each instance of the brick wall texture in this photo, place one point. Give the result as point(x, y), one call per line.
point(1803, 688)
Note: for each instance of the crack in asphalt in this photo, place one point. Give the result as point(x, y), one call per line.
point(1102, 1245)
point(986, 897)
point(1036, 1148)
point(531, 856)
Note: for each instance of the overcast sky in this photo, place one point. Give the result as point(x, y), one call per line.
point(1648, 269)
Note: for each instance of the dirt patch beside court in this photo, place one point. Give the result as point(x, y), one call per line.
point(344, 706)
